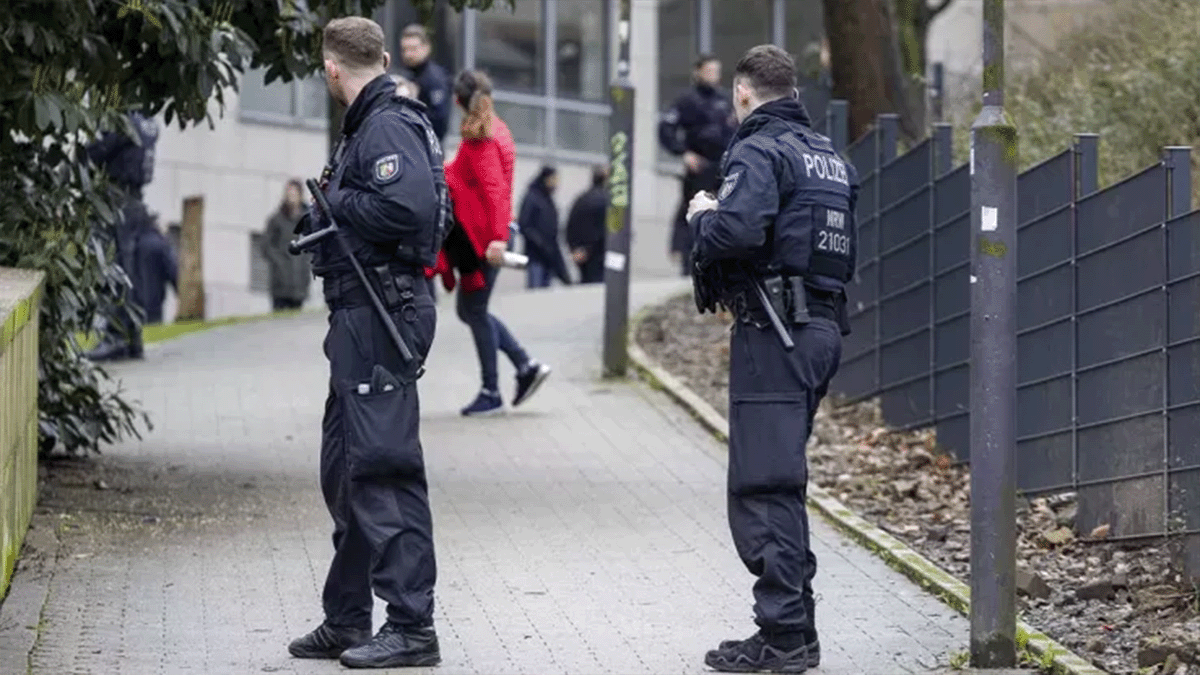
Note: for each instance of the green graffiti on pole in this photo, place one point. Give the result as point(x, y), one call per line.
point(618, 182)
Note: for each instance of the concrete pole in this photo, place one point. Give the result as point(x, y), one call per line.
point(993, 361)
point(619, 219)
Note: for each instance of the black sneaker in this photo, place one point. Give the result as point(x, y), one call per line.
point(812, 644)
point(756, 655)
point(529, 379)
point(328, 642)
point(486, 403)
point(395, 646)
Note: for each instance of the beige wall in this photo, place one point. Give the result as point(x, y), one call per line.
point(240, 168)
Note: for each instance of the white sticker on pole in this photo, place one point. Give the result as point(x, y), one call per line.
point(972, 157)
point(988, 219)
point(614, 261)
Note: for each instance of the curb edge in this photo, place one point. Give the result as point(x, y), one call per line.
point(918, 568)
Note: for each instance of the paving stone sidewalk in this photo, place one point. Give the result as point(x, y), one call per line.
point(584, 532)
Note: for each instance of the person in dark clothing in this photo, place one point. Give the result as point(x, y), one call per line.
point(433, 82)
point(129, 163)
point(157, 267)
point(388, 196)
point(586, 231)
point(290, 276)
point(782, 219)
point(538, 222)
point(698, 126)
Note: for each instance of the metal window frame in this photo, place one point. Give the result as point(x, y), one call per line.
point(548, 101)
point(295, 120)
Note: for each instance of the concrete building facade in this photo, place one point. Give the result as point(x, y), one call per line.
point(551, 62)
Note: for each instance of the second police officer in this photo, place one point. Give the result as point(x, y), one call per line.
point(386, 192)
point(783, 219)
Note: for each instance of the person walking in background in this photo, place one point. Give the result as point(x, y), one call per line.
point(290, 275)
point(481, 185)
point(538, 223)
point(157, 267)
point(585, 228)
point(433, 82)
point(698, 126)
point(129, 163)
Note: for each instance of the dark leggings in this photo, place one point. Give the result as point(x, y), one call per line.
point(489, 332)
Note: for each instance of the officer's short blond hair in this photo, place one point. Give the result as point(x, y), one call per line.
point(355, 42)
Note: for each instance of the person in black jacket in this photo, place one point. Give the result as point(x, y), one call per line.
point(433, 83)
point(586, 228)
point(698, 126)
point(387, 193)
point(157, 267)
point(538, 222)
point(129, 163)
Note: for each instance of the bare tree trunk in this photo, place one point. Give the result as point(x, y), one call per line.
point(877, 54)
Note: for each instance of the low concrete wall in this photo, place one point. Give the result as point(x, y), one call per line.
point(20, 301)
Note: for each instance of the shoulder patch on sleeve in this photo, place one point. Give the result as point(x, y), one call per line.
point(671, 116)
point(730, 183)
point(437, 96)
point(387, 168)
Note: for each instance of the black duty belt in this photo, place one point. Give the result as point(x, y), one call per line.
point(344, 291)
point(745, 305)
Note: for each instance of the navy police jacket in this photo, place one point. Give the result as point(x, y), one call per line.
point(786, 204)
point(386, 188)
point(435, 92)
point(699, 121)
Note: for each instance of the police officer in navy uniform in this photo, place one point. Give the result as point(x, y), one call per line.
point(783, 218)
point(129, 163)
point(433, 83)
point(386, 192)
point(698, 126)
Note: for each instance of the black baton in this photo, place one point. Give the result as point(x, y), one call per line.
point(405, 352)
point(776, 322)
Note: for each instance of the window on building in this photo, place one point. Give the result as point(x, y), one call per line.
point(581, 55)
point(738, 25)
point(526, 122)
point(510, 47)
point(678, 47)
point(299, 102)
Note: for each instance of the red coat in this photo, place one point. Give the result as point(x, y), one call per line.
point(480, 178)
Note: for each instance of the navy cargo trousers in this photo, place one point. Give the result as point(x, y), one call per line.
point(372, 464)
point(773, 396)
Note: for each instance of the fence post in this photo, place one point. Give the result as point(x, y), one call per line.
point(943, 148)
point(889, 136)
point(1088, 167)
point(937, 91)
point(1179, 191)
point(191, 261)
point(884, 136)
point(837, 123)
point(993, 377)
point(619, 217)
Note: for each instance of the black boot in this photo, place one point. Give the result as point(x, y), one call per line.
point(811, 643)
point(328, 642)
point(757, 655)
point(396, 646)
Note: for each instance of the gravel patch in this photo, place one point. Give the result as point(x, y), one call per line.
point(1118, 604)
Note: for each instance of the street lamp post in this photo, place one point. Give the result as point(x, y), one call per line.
point(619, 219)
point(993, 361)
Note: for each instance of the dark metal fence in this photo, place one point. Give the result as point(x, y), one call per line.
point(1108, 352)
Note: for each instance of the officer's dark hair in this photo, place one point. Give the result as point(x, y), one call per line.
point(703, 60)
point(768, 71)
point(415, 30)
point(356, 42)
point(473, 92)
point(599, 174)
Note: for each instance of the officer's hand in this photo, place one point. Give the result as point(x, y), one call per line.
point(702, 201)
point(495, 252)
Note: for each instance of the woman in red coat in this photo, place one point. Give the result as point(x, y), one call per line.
point(480, 179)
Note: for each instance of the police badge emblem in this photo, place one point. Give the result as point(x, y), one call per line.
point(386, 168)
point(727, 187)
